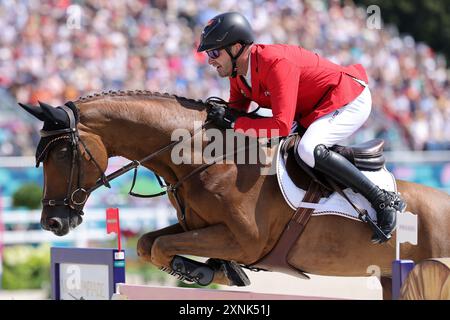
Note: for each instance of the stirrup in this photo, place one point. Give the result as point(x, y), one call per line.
point(379, 236)
point(376, 238)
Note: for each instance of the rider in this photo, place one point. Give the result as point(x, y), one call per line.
point(328, 100)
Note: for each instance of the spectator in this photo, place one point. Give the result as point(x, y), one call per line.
point(151, 45)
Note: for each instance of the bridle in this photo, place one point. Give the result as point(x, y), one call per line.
point(72, 135)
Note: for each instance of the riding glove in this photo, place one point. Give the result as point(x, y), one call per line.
point(221, 116)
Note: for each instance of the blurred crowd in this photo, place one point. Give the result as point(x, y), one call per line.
point(58, 50)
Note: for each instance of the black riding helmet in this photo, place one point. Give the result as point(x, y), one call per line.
point(223, 31)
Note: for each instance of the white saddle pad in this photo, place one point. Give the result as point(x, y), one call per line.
point(335, 204)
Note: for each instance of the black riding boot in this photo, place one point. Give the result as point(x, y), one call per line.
point(385, 203)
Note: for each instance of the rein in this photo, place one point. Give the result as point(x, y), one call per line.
point(167, 188)
point(72, 135)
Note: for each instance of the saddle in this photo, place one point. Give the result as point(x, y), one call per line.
point(367, 156)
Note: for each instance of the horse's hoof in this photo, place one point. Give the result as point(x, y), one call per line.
point(232, 270)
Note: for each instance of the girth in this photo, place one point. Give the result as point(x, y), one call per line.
point(277, 258)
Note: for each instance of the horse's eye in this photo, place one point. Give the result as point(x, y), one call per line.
point(62, 153)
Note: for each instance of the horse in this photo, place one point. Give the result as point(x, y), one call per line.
point(227, 211)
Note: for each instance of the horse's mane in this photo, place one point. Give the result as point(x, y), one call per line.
point(141, 94)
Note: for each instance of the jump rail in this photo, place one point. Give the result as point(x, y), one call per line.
point(141, 292)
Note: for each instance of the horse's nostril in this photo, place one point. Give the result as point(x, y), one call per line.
point(55, 224)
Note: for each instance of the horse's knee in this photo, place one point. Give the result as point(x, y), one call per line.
point(144, 247)
point(159, 256)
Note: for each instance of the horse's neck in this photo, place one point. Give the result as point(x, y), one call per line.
point(135, 129)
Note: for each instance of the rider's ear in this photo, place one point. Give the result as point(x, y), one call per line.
point(236, 47)
point(56, 115)
point(35, 111)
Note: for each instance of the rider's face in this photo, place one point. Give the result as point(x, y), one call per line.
point(222, 63)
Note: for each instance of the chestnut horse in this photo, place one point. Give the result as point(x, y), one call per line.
point(232, 211)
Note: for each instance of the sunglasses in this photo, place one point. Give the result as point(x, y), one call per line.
point(213, 54)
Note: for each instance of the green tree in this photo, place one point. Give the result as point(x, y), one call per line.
point(426, 20)
point(28, 196)
point(26, 267)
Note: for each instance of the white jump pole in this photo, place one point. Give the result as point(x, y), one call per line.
point(142, 292)
point(406, 232)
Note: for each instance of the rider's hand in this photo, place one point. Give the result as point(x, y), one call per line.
point(221, 116)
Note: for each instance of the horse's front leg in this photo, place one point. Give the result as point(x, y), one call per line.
point(215, 242)
point(145, 242)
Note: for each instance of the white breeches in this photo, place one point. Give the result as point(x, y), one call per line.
point(336, 126)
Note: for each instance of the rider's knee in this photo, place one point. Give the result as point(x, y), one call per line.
point(305, 150)
point(321, 152)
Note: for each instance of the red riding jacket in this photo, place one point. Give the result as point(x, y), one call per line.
point(296, 84)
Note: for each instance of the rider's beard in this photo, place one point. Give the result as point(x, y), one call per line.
point(224, 71)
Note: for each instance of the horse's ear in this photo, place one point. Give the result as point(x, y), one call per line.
point(56, 115)
point(35, 111)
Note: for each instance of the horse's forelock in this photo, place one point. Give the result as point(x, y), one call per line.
point(47, 143)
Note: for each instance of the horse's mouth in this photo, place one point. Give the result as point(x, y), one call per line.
point(58, 226)
point(62, 226)
point(61, 232)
